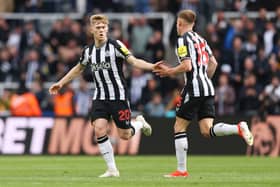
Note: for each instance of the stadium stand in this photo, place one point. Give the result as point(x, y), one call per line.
point(36, 51)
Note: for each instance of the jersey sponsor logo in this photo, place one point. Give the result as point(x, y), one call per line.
point(182, 51)
point(101, 66)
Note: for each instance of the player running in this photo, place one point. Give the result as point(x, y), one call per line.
point(105, 58)
point(198, 65)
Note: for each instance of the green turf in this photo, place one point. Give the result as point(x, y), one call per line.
point(144, 171)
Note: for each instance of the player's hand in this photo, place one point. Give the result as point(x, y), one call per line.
point(161, 69)
point(55, 88)
point(157, 65)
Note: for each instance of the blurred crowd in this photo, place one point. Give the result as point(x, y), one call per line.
point(144, 6)
point(247, 49)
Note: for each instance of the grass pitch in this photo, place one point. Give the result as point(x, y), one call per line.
point(144, 171)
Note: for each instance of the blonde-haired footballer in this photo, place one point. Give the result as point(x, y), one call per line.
point(198, 65)
point(110, 100)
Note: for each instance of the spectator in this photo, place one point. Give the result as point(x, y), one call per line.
point(249, 67)
point(235, 58)
point(82, 99)
point(262, 67)
point(66, 33)
point(274, 66)
point(270, 97)
point(69, 54)
point(137, 82)
point(235, 30)
point(142, 6)
point(64, 102)
point(251, 46)
point(15, 38)
point(156, 47)
point(261, 21)
point(159, 5)
point(249, 102)
point(32, 5)
point(77, 34)
point(140, 34)
point(269, 38)
point(211, 36)
point(249, 26)
point(276, 20)
point(15, 62)
point(239, 5)
point(221, 25)
point(24, 103)
point(39, 45)
point(148, 90)
point(40, 94)
point(155, 107)
point(33, 67)
point(55, 35)
point(4, 31)
point(225, 96)
point(5, 66)
point(27, 36)
point(118, 34)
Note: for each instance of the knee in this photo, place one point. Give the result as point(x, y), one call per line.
point(205, 132)
point(125, 136)
point(179, 128)
point(100, 131)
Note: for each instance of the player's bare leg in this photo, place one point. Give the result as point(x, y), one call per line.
point(105, 147)
point(181, 147)
point(224, 129)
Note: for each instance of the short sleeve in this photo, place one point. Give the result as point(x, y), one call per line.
point(182, 48)
point(122, 50)
point(208, 49)
point(84, 58)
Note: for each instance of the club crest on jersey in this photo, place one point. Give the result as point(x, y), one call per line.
point(107, 53)
point(101, 66)
point(182, 51)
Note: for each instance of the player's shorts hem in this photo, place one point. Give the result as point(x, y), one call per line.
point(92, 119)
point(121, 127)
point(184, 117)
point(206, 116)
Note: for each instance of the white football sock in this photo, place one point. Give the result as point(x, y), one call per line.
point(107, 152)
point(181, 147)
point(223, 129)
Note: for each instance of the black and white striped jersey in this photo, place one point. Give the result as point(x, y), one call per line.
point(106, 64)
point(194, 47)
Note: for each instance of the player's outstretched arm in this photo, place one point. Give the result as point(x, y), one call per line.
point(163, 70)
point(73, 73)
point(139, 63)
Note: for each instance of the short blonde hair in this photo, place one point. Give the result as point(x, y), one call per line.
point(187, 15)
point(99, 17)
